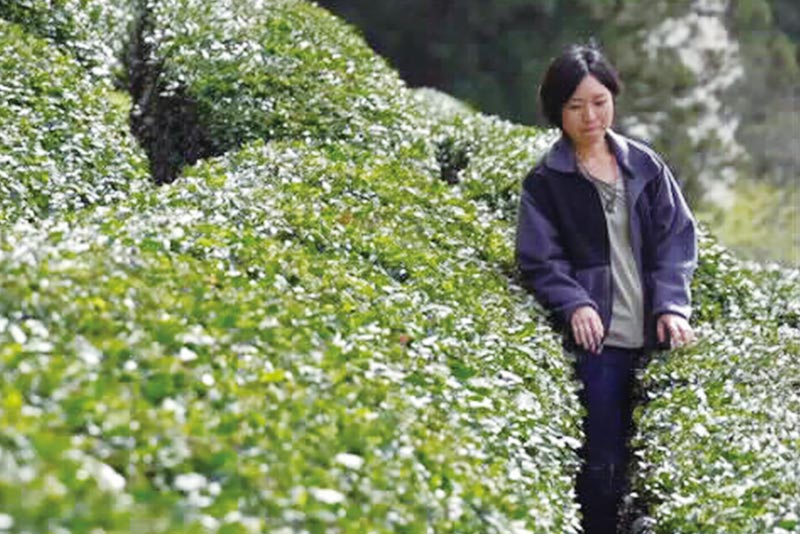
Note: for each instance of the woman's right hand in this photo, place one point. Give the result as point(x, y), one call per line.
point(587, 328)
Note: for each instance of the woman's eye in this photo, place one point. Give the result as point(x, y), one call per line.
point(600, 103)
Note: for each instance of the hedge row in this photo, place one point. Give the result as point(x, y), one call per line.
point(719, 432)
point(94, 32)
point(218, 354)
point(65, 141)
point(317, 332)
point(274, 70)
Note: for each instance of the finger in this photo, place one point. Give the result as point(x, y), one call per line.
point(600, 329)
point(589, 341)
point(660, 330)
point(590, 332)
point(596, 328)
point(688, 334)
point(677, 335)
point(578, 334)
point(692, 335)
point(585, 336)
point(588, 337)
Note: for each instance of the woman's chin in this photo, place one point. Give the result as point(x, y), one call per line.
point(588, 137)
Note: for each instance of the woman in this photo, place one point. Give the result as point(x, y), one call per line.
point(607, 244)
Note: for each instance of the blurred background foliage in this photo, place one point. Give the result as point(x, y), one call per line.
point(714, 85)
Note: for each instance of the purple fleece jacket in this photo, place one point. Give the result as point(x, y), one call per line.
point(562, 243)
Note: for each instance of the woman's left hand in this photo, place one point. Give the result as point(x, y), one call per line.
point(680, 332)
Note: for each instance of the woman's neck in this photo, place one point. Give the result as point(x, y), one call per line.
point(595, 151)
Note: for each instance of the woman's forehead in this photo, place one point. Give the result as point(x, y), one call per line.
point(590, 87)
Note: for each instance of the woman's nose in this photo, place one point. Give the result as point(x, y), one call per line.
point(588, 114)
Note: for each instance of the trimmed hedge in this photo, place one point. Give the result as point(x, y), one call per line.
point(239, 71)
point(719, 432)
point(484, 155)
point(348, 363)
point(95, 32)
point(65, 141)
point(318, 331)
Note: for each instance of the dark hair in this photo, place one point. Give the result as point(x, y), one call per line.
point(566, 72)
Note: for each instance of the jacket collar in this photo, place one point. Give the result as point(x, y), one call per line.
point(561, 156)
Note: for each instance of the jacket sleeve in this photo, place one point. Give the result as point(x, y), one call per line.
point(675, 248)
point(542, 262)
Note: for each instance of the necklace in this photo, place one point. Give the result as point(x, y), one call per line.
point(608, 192)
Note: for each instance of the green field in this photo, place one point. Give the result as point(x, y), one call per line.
point(313, 324)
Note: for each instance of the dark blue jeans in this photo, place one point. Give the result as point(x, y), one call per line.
point(607, 395)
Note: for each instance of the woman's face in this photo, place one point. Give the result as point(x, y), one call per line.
point(588, 112)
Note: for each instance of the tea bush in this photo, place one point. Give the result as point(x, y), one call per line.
point(65, 141)
point(95, 32)
point(718, 434)
point(217, 353)
point(485, 155)
point(264, 70)
point(318, 330)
